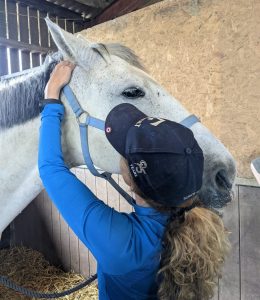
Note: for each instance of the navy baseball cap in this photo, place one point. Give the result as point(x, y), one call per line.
point(163, 156)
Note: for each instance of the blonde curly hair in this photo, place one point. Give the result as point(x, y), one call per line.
point(195, 245)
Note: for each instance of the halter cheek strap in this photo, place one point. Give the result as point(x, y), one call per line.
point(84, 120)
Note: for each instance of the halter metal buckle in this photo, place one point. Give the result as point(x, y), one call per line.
point(82, 118)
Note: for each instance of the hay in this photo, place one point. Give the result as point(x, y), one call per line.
point(28, 268)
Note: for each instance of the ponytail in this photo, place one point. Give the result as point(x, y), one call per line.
point(194, 249)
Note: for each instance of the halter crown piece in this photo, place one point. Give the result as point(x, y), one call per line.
point(100, 124)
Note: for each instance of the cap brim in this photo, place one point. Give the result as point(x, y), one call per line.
point(120, 119)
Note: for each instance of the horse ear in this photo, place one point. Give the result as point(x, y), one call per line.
point(67, 43)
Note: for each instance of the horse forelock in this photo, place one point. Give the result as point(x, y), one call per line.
point(120, 51)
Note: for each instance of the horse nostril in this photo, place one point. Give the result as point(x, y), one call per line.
point(222, 180)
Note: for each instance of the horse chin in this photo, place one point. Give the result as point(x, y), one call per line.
point(215, 199)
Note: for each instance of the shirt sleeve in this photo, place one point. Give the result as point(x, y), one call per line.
point(107, 233)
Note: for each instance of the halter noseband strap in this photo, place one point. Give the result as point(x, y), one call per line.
point(100, 124)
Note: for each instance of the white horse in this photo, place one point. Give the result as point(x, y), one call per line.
point(105, 76)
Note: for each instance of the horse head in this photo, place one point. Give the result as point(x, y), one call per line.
point(109, 74)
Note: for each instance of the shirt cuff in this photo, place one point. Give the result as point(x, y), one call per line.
point(43, 102)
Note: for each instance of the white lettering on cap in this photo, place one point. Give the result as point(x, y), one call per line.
point(155, 121)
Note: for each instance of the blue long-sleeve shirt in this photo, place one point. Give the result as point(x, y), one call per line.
point(126, 246)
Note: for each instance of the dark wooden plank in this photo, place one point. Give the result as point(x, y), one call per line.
point(65, 241)
point(229, 285)
point(61, 22)
point(34, 28)
point(23, 22)
point(2, 19)
point(78, 27)
point(35, 59)
point(249, 201)
point(12, 21)
point(25, 56)
point(69, 26)
point(56, 231)
point(74, 252)
point(3, 64)
point(14, 60)
point(84, 259)
point(44, 38)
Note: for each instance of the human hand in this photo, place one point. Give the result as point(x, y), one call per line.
point(60, 76)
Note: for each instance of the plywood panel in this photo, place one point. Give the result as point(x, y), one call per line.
point(229, 285)
point(249, 200)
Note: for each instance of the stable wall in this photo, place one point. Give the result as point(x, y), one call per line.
point(206, 54)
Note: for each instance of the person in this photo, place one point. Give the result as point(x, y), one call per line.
point(170, 247)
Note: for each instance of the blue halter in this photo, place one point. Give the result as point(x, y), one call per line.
point(100, 124)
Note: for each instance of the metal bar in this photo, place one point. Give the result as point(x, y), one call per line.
point(24, 46)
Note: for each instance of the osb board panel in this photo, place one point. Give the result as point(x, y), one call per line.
point(207, 56)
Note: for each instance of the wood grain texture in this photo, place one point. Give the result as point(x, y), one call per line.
point(229, 285)
point(249, 202)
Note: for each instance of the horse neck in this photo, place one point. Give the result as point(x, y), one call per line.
point(19, 134)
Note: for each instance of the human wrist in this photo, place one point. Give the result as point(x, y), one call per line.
point(52, 92)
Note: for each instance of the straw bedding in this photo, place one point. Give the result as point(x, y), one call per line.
point(29, 268)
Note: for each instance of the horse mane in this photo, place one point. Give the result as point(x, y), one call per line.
point(16, 110)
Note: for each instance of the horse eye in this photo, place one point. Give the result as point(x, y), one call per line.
point(133, 93)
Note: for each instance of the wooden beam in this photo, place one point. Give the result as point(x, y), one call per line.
point(23, 46)
point(75, 6)
point(117, 9)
